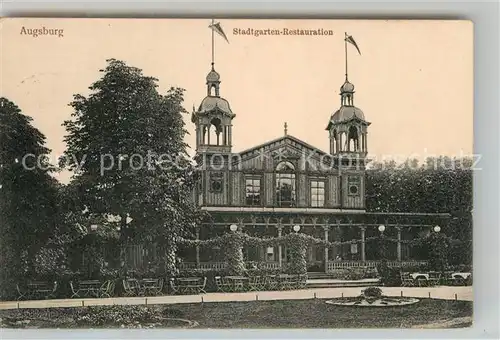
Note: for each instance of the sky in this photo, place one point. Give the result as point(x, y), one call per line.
point(413, 79)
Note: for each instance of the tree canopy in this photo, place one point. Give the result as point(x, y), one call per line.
point(125, 144)
point(28, 193)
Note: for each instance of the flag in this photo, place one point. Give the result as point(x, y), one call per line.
point(351, 40)
point(217, 28)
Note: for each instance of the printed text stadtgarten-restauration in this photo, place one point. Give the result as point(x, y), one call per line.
point(283, 31)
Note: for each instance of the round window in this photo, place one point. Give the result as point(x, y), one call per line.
point(216, 186)
point(353, 189)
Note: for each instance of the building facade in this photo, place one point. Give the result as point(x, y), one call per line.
point(267, 189)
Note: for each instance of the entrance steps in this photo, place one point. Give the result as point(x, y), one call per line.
point(326, 280)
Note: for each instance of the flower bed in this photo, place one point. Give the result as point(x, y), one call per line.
point(98, 317)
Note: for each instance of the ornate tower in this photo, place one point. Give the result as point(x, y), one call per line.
point(348, 130)
point(347, 126)
point(213, 119)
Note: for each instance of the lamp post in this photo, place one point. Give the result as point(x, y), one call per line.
point(296, 228)
point(381, 228)
point(439, 245)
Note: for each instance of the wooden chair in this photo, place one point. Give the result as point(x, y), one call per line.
point(434, 278)
point(271, 282)
point(173, 286)
point(107, 289)
point(152, 286)
point(302, 281)
point(222, 285)
point(131, 287)
point(407, 280)
point(201, 287)
point(255, 283)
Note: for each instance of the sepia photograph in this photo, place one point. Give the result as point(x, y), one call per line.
point(236, 173)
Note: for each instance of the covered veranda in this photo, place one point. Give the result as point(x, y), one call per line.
point(359, 232)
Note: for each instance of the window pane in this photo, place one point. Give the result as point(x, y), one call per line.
point(252, 191)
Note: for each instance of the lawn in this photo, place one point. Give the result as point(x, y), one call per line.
point(314, 313)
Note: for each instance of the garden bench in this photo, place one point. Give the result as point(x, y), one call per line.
point(36, 290)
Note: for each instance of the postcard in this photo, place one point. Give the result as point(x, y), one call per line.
point(236, 173)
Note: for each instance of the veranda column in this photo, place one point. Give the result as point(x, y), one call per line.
point(363, 252)
point(399, 243)
point(326, 229)
point(197, 248)
point(280, 250)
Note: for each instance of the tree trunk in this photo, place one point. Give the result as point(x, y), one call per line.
point(168, 257)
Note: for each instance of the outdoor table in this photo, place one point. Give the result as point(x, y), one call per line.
point(189, 284)
point(463, 275)
point(87, 288)
point(420, 278)
point(237, 282)
point(37, 290)
point(460, 278)
point(151, 286)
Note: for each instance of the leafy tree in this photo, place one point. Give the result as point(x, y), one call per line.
point(126, 147)
point(28, 193)
point(440, 184)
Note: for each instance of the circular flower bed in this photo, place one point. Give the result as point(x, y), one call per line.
point(372, 297)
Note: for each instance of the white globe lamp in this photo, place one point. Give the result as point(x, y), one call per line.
point(296, 228)
point(233, 227)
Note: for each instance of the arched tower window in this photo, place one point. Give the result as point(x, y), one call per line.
point(285, 185)
point(353, 139)
point(215, 132)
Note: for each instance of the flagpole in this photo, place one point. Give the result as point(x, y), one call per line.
point(345, 46)
point(213, 44)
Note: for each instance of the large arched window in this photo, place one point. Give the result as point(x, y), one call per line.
point(285, 184)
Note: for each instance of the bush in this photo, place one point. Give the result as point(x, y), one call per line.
point(372, 292)
point(355, 273)
point(116, 316)
point(389, 277)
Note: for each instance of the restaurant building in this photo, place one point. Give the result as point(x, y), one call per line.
point(268, 189)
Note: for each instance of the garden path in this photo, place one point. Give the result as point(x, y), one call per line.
point(440, 292)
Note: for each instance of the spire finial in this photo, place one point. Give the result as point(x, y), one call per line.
point(345, 47)
point(213, 44)
point(286, 128)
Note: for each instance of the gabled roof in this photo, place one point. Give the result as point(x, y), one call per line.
point(282, 141)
